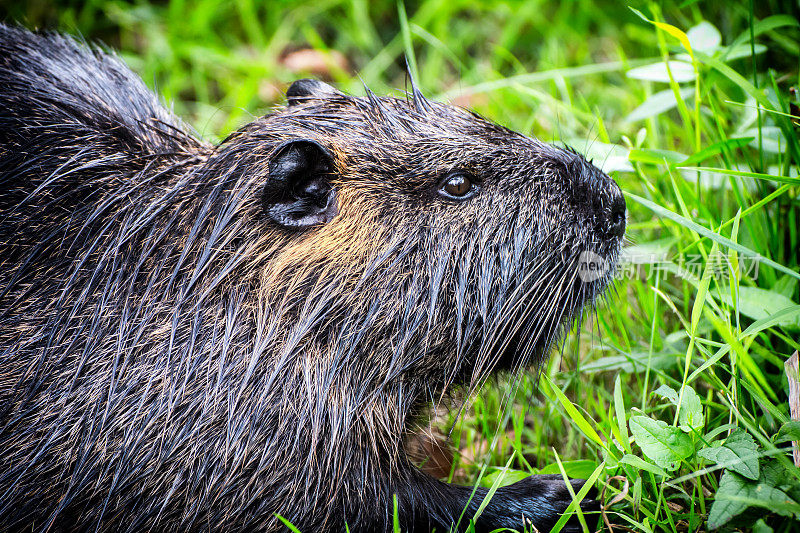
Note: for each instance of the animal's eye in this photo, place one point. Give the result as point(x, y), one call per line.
point(457, 186)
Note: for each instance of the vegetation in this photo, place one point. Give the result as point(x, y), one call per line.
point(673, 396)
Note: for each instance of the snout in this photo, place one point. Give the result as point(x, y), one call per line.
point(594, 196)
point(613, 222)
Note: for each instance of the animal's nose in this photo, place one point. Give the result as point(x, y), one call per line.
point(615, 220)
point(595, 195)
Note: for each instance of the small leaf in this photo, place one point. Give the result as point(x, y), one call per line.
point(762, 527)
point(738, 453)
point(691, 415)
point(655, 157)
point(665, 391)
point(681, 72)
point(641, 135)
point(772, 139)
point(788, 432)
point(704, 37)
point(744, 50)
point(658, 103)
point(669, 28)
point(691, 412)
point(663, 444)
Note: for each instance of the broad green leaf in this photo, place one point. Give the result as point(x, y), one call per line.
point(507, 477)
point(658, 103)
point(738, 453)
point(735, 494)
point(790, 315)
point(578, 469)
point(663, 444)
point(759, 304)
point(762, 527)
point(723, 509)
point(786, 286)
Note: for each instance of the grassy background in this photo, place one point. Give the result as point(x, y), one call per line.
point(690, 313)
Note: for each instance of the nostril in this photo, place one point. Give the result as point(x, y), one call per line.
point(616, 219)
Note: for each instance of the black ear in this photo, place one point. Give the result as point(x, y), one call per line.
point(298, 193)
point(306, 90)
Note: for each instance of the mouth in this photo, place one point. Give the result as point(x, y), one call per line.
point(530, 332)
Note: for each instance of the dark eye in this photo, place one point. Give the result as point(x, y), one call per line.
point(457, 186)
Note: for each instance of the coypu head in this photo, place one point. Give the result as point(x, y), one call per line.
point(197, 337)
point(419, 238)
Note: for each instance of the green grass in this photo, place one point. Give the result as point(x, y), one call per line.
point(709, 161)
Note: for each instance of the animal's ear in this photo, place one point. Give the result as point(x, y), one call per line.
point(298, 193)
point(305, 90)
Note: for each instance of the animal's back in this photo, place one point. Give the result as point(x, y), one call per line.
point(86, 151)
point(75, 124)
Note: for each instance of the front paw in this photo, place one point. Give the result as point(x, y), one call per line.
point(538, 502)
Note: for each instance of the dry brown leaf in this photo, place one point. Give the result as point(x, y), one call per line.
point(315, 62)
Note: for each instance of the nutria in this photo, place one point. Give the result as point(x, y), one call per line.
point(198, 337)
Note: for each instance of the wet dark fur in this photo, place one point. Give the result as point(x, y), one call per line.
point(173, 360)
